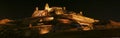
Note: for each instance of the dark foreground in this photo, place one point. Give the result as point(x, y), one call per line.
point(111, 33)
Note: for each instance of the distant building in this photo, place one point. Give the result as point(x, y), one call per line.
point(85, 22)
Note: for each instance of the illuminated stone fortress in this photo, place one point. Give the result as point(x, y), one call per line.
point(51, 13)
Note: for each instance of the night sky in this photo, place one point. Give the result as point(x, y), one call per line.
point(98, 9)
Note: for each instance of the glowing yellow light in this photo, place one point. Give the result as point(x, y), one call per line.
point(4, 21)
point(49, 18)
point(47, 7)
point(64, 20)
point(45, 29)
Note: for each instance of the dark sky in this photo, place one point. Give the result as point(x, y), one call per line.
point(99, 9)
